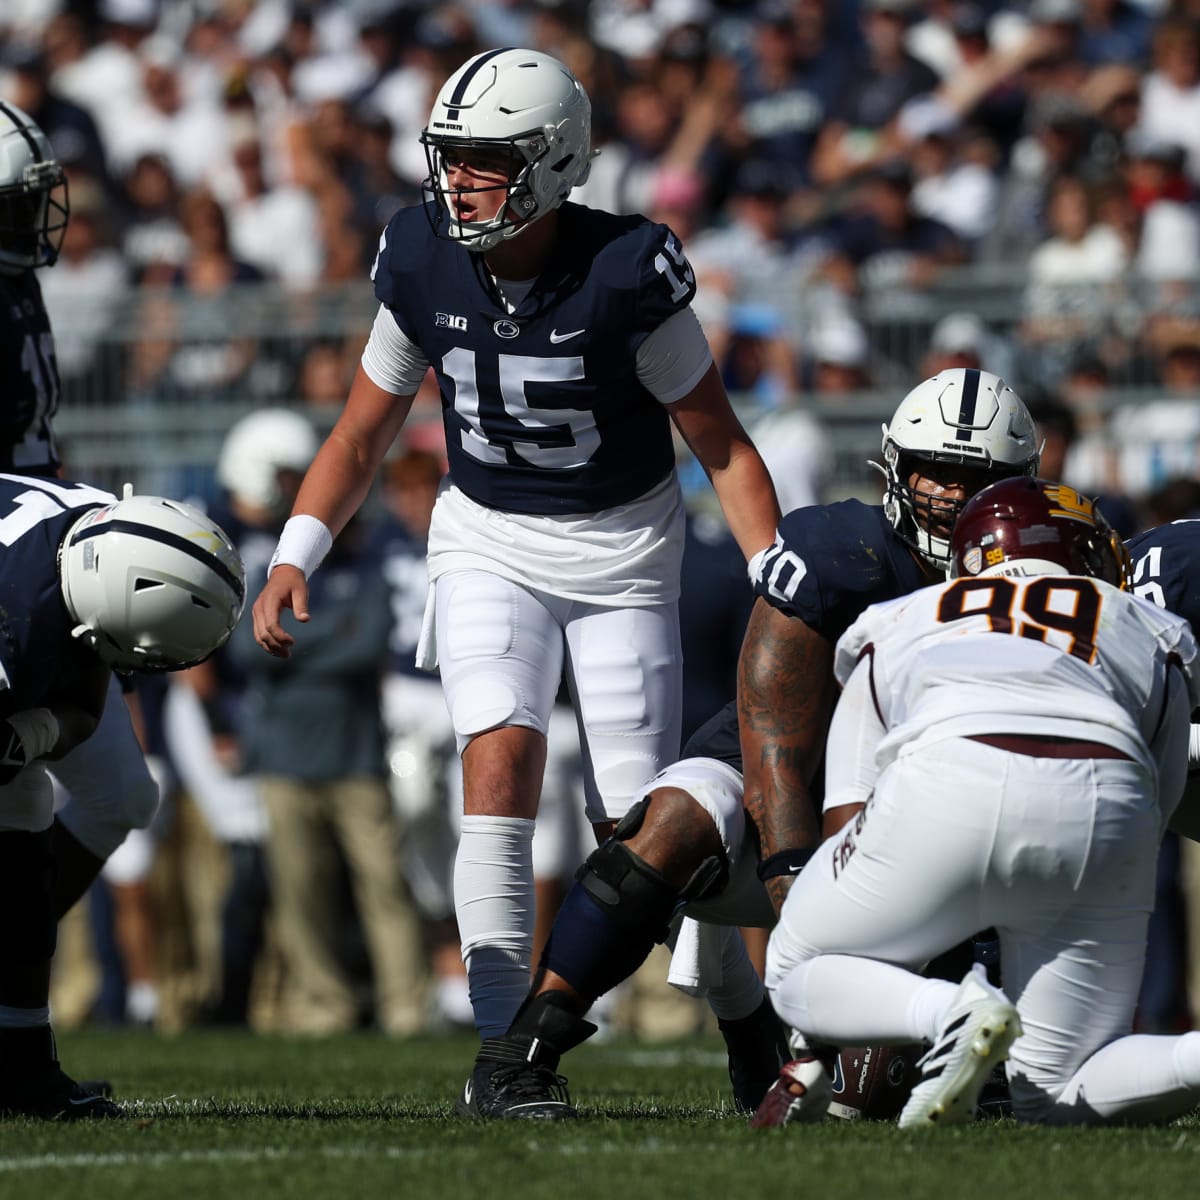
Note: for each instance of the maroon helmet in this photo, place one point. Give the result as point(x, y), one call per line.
point(1034, 527)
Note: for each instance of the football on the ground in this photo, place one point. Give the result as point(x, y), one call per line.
point(873, 1082)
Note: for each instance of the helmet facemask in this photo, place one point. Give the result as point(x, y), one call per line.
point(926, 521)
point(33, 217)
point(528, 173)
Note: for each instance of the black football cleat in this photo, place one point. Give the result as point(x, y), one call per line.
point(515, 1076)
point(505, 1085)
point(32, 1084)
point(54, 1096)
point(757, 1048)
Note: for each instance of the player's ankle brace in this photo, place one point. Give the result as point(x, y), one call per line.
point(548, 1026)
point(27, 887)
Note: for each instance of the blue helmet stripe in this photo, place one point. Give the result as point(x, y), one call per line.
point(460, 90)
point(966, 409)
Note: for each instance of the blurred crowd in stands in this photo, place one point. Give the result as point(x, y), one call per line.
point(868, 190)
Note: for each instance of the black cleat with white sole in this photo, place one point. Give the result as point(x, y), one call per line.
point(515, 1076)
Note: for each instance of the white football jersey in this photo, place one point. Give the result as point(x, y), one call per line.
point(1055, 655)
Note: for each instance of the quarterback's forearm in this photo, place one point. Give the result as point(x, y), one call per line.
point(723, 448)
point(748, 500)
point(785, 695)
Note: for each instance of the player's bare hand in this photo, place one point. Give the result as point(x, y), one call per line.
point(285, 588)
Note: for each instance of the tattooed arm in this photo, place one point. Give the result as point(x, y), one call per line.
point(786, 692)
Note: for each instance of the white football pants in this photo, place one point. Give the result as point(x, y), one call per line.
point(502, 652)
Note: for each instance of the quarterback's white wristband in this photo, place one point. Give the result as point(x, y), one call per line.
point(38, 730)
point(1194, 748)
point(303, 543)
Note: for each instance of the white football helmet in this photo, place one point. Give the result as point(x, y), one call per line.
point(152, 584)
point(33, 194)
point(258, 448)
point(523, 101)
point(960, 417)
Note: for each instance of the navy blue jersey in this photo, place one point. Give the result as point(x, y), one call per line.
point(543, 409)
point(35, 628)
point(1166, 568)
point(828, 564)
point(30, 372)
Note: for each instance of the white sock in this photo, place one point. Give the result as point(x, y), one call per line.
point(141, 1002)
point(855, 1001)
point(1138, 1078)
point(494, 902)
point(741, 991)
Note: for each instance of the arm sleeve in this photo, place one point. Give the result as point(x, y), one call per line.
point(673, 358)
point(854, 735)
point(391, 360)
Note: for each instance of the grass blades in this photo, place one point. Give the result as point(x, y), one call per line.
point(231, 1115)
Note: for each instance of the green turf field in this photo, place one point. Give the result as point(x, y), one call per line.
point(222, 1116)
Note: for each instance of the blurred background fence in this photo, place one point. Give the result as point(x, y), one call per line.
point(154, 377)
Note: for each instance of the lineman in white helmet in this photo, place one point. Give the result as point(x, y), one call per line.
point(34, 207)
point(108, 788)
point(962, 417)
point(564, 346)
point(88, 584)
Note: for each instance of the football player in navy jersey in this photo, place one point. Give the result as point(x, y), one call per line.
point(1166, 570)
point(109, 788)
point(89, 585)
point(719, 841)
point(564, 346)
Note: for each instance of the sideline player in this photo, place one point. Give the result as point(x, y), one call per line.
point(1012, 745)
point(110, 789)
point(564, 345)
point(88, 585)
point(722, 846)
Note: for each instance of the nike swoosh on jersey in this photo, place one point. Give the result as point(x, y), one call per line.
point(556, 337)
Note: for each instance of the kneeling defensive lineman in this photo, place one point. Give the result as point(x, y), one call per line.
point(1013, 744)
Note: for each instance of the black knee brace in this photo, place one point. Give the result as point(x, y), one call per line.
point(636, 895)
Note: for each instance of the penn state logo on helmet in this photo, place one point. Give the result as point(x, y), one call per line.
point(152, 584)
